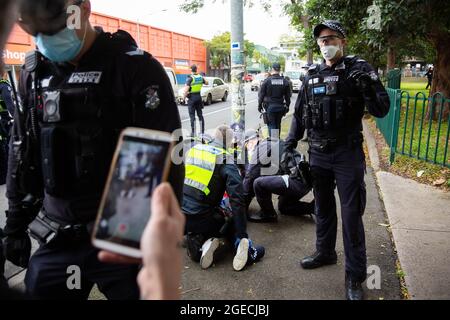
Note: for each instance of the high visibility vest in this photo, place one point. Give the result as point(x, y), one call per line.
point(200, 164)
point(197, 83)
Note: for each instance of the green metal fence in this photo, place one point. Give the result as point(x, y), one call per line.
point(417, 126)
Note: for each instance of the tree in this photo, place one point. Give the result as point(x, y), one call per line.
point(220, 50)
point(414, 24)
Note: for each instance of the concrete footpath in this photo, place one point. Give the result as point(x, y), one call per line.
point(419, 219)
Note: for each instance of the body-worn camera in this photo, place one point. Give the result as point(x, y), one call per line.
point(52, 112)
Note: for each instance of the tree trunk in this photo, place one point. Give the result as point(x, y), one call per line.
point(390, 57)
point(441, 75)
point(307, 25)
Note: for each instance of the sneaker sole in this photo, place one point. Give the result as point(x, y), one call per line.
point(208, 250)
point(241, 257)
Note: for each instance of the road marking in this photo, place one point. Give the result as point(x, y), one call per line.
point(220, 110)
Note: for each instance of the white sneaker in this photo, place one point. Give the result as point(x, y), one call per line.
point(241, 257)
point(208, 249)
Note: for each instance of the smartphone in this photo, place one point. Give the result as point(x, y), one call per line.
point(141, 162)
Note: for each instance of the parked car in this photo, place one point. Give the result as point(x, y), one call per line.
point(295, 77)
point(173, 79)
point(248, 78)
point(216, 89)
point(257, 81)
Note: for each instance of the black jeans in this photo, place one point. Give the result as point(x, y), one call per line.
point(210, 225)
point(195, 105)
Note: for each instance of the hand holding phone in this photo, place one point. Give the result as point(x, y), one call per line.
point(141, 162)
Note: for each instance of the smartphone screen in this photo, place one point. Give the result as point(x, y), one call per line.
point(139, 167)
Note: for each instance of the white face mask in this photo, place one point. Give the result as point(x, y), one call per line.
point(329, 52)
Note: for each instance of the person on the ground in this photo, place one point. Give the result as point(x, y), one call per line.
point(210, 172)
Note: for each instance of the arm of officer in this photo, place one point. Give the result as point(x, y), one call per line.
point(262, 93)
point(147, 73)
point(235, 190)
point(287, 93)
point(17, 219)
point(187, 86)
point(6, 95)
point(376, 99)
point(297, 130)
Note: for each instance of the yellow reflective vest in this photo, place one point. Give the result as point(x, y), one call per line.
point(201, 161)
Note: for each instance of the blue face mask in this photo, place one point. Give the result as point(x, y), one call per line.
point(61, 47)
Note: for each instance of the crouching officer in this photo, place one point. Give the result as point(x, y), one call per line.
point(275, 97)
point(80, 90)
point(292, 184)
point(210, 171)
point(331, 106)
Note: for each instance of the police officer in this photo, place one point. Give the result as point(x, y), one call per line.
point(291, 185)
point(263, 158)
point(6, 110)
point(79, 92)
point(210, 171)
point(193, 91)
point(275, 98)
point(331, 106)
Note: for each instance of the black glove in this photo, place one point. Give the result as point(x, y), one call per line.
point(260, 108)
point(362, 80)
point(17, 249)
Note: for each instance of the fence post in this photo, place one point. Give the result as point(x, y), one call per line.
point(395, 125)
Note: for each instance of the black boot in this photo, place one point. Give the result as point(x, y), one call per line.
point(319, 259)
point(353, 289)
point(262, 216)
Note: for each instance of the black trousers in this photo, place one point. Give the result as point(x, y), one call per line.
point(343, 167)
point(289, 196)
point(211, 225)
point(195, 105)
point(274, 123)
point(48, 274)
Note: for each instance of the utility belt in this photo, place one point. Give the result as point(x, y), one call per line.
point(49, 232)
point(328, 144)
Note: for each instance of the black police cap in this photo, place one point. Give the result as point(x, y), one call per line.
point(276, 66)
point(330, 24)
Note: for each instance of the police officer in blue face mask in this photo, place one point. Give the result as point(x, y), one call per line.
point(79, 91)
point(330, 106)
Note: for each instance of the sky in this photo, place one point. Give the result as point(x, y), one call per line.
point(259, 27)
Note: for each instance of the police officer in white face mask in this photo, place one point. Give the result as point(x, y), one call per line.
point(330, 107)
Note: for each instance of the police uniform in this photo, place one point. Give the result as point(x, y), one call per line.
point(331, 106)
point(195, 103)
point(210, 172)
point(275, 97)
point(6, 110)
point(78, 120)
point(266, 155)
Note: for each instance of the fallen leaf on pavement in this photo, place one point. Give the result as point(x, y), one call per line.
point(439, 182)
point(384, 225)
point(420, 173)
